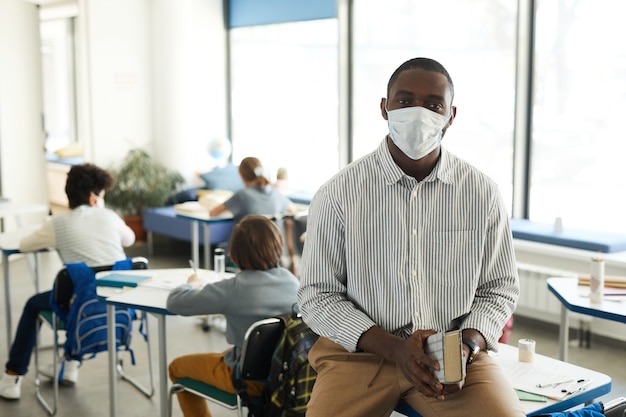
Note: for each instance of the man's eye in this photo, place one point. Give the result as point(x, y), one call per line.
point(403, 101)
point(435, 107)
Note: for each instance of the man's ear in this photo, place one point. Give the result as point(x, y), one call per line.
point(383, 107)
point(453, 115)
point(450, 120)
point(92, 201)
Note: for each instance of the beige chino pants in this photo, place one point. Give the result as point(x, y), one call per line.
point(363, 385)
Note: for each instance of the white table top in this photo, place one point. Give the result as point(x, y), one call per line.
point(545, 369)
point(576, 298)
point(203, 216)
point(152, 294)
point(11, 240)
point(10, 208)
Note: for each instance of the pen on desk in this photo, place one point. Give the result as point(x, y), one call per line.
point(582, 386)
point(554, 384)
point(193, 267)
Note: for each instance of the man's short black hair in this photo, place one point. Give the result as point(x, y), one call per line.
point(82, 180)
point(420, 63)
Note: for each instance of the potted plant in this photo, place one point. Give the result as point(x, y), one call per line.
point(140, 181)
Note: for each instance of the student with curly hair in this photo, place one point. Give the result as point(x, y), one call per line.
point(89, 233)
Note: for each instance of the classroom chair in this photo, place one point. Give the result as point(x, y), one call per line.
point(259, 344)
point(63, 291)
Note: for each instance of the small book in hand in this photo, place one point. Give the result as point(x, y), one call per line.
point(447, 349)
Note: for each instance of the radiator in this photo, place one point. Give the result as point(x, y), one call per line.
point(536, 301)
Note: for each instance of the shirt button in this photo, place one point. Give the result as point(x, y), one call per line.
point(414, 231)
point(414, 194)
point(414, 273)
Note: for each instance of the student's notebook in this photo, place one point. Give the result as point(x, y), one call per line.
point(120, 280)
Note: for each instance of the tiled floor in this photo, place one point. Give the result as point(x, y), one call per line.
point(90, 396)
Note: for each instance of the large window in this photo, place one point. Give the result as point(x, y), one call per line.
point(474, 40)
point(578, 146)
point(57, 52)
point(284, 98)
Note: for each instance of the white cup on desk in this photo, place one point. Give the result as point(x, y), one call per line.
point(596, 283)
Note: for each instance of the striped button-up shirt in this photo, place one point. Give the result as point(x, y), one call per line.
point(384, 249)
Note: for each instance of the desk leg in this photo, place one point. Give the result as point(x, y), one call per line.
point(163, 378)
point(564, 334)
point(7, 300)
point(207, 245)
point(31, 261)
point(195, 243)
point(36, 271)
point(112, 360)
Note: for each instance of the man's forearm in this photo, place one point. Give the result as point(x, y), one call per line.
point(380, 342)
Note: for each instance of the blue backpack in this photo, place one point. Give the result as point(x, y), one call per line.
point(75, 302)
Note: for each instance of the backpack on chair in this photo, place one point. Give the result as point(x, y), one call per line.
point(75, 302)
point(291, 377)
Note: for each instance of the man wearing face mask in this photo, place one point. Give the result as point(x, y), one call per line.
point(88, 233)
point(400, 243)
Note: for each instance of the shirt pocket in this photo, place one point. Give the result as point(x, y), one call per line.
point(453, 258)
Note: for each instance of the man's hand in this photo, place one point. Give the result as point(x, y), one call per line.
point(417, 366)
point(410, 357)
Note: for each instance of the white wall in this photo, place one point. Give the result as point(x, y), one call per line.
point(151, 75)
point(115, 97)
point(189, 52)
point(22, 157)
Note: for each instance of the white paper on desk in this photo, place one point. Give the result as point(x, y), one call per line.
point(526, 378)
point(171, 283)
point(165, 283)
point(610, 294)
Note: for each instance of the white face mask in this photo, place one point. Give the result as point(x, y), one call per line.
point(100, 202)
point(416, 131)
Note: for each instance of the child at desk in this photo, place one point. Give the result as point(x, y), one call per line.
point(258, 197)
point(261, 289)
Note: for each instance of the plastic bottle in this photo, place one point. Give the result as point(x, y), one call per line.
point(219, 261)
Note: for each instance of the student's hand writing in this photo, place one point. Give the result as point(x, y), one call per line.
point(194, 281)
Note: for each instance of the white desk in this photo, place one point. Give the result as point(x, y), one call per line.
point(9, 244)
point(543, 369)
point(206, 221)
point(152, 300)
point(17, 210)
point(574, 297)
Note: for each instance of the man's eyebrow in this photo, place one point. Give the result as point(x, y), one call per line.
point(436, 97)
point(404, 93)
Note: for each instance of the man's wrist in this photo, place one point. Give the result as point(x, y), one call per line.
point(474, 349)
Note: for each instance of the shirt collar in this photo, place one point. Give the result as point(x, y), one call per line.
point(393, 173)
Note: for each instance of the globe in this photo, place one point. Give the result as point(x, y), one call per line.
point(220, 148)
